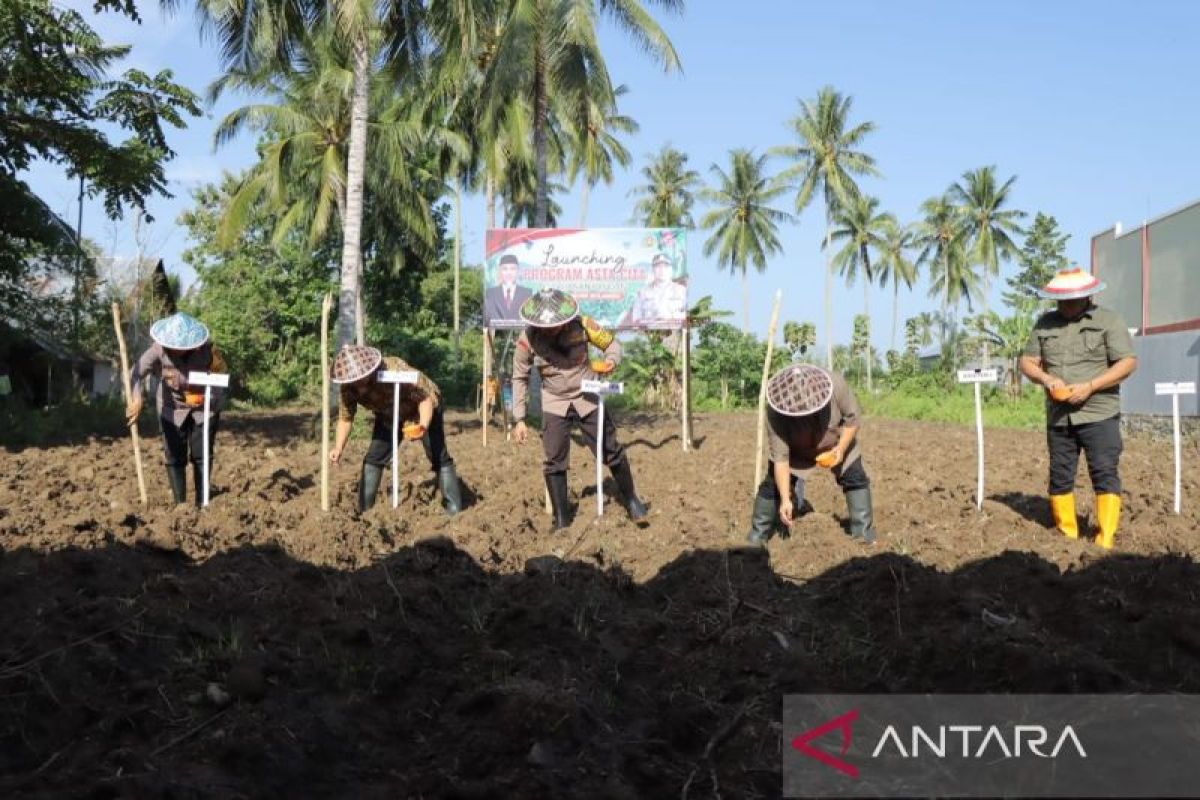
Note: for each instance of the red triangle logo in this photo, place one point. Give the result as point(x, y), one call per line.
point(845, 724)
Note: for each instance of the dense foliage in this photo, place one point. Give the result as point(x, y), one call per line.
point(58, 104)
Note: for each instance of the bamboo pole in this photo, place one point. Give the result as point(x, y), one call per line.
point(133, 431)
point(687, 386)
point(326, 306)
point(762, 393)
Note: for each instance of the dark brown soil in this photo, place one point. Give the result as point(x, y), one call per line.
point(264, 649)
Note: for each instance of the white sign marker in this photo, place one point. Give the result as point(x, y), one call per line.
point(978, 376)
point(398, 376)
point(601, 389)
point(395, 378)
point(208, 380)
point(1176, 389)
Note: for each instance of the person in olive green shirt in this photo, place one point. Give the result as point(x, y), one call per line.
point(1081, 353)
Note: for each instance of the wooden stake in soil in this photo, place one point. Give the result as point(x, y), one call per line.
point(976, 377)
point(396, 378)
point(762, 393)
point(485, 406)
point(686, 331)
point(326, 306)
point(1174, 389)
point(133, 431)
point(208, 380)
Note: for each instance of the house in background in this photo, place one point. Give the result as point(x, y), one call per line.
point(1153, 280)
point(43, 370)
point(43, 367)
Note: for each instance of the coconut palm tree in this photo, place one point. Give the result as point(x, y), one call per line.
point(667, 195)
point(942, 239)
point(305, 125)
point(863, 228)
point(923, 326)
point(895, 265)
point(988, 225)
point(264, 34)
point(1009, 336)
point(595, 147)
point(521, 200)
point(548, 56)
point(828, 158)
point(745, 227)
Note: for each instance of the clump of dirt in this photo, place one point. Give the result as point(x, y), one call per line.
point(262, 648)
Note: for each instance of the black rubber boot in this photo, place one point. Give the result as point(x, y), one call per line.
point(862, 519)
point(368, 486)
point(451, 492)
point(762, 521)
point(623, 476)
point(557, 485)
point(177, 478)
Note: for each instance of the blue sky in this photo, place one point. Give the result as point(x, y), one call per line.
point(1093, 105)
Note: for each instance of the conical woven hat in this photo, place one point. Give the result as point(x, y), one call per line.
point(1071, 284)
point(549, 308)
point(355, 362)
point(800, 389)
point(179, 332)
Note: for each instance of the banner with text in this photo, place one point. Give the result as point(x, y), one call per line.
point(625, 278)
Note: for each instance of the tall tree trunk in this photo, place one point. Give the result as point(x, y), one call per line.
point(867, 314)
point(745, 302)
point(987, 282)
point(457, 256)
point(355, 173)
point(945, 295)
point(895, 311)
point(541, 117)
point(360, 316)
point(491, 202)
point(828, 287)
point(583, 202)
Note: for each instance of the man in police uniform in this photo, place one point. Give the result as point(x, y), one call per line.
point(1081, 353)
point(661, 300)
point(356, 370)
point(813, 421)
point(181, 346)
point(556, 343)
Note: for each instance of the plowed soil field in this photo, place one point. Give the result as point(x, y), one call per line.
point(262, 648)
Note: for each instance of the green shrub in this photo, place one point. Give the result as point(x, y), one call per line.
point(927, 397)
point(71, 420)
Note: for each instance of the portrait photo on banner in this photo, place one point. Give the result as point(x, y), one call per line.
point(624, 278)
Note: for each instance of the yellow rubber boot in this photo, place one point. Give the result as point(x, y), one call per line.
point(1063, 506)
point(1108, 515)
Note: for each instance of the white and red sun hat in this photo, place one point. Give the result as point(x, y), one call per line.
point(1071, 284)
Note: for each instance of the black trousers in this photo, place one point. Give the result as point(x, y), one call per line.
point(849, 478)
point(186, 442)
point(1100, 441)
point(556, 439)
point(379, 452)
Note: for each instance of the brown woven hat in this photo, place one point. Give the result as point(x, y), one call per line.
point(355, 362)
point(549, 308)
point(800, 389)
